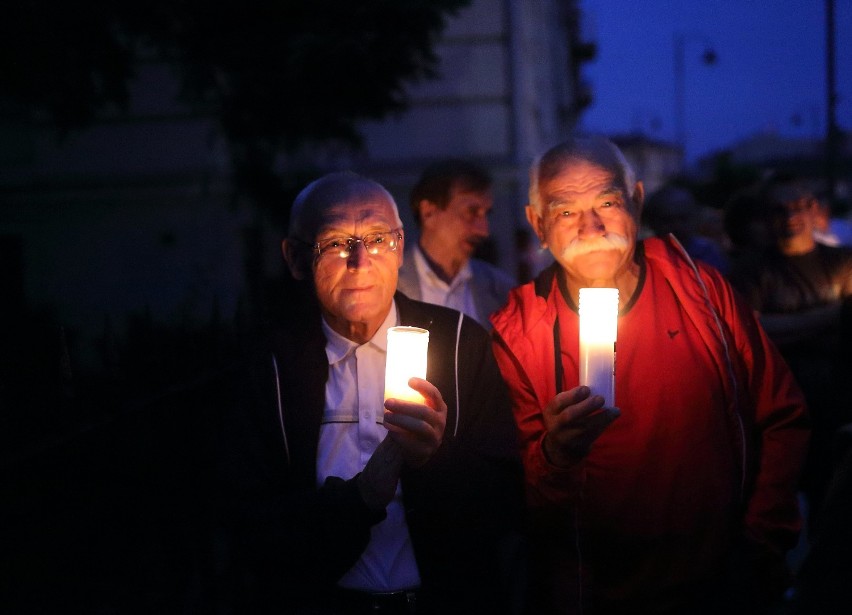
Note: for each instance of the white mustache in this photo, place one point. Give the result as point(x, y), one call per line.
point(610, 241)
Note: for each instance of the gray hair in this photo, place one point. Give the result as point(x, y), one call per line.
point(338, 187)
point(597, 150)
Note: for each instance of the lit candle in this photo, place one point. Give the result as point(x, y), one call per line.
point(406, 358)
point(598, 326)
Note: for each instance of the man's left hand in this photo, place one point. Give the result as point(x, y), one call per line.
point(417, 428)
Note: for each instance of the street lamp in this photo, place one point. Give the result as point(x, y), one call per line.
point(832, 132)
point(708, 57)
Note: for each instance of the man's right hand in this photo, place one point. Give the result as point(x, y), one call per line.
point(574, 420)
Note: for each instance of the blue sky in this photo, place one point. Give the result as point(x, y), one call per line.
point(770, 74)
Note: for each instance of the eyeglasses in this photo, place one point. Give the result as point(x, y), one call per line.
point(374, 243)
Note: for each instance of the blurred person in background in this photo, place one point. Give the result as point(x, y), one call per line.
point(674, 210)
point(451, 203)
point(830, 229)
point(799, 288)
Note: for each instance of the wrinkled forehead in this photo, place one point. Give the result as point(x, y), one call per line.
point(368, 213)
point(340, 201)
point(577, 178)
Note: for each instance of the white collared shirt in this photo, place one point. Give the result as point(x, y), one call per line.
point(352, 428)
point(457, 294)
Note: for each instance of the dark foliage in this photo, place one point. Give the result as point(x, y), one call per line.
point(106, 477)
point(276, 75)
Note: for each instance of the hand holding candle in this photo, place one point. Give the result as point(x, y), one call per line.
point(416, 418)
point(573, 420)
point(598, 327)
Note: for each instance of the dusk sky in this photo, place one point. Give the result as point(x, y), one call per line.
point(770, 74)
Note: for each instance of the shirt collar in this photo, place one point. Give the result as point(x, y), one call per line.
point(424, 270)
point(338, 347)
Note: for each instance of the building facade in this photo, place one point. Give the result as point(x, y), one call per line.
point(136, 213)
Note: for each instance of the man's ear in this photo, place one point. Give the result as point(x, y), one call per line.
point(298, 259)
point(638, 199)
point(427, 210)
point(535, 222)
point(400, 249)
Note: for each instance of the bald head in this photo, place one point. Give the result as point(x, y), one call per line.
point(308, 212)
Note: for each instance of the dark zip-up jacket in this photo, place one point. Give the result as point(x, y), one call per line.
point(292, 541)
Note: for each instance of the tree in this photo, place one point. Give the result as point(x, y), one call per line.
point(276, 75)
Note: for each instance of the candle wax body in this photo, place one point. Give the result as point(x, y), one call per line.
point(597, 369)
point(406, 358)
point(598, 309)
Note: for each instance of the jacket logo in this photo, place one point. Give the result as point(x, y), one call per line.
point(672, 333)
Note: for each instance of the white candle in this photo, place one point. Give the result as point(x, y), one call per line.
point(598, 326)
point(406, 357)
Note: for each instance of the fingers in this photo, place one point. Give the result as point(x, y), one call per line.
point(431, 416)
point(583, 432)
point(574, 419)
point(570, 405)
point(417, 428)
point(430, 393)
point(415, 423)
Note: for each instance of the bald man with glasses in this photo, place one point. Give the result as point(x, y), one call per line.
point(339, 501)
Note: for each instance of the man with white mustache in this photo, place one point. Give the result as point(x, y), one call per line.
point(682, 499)
point(609, 241)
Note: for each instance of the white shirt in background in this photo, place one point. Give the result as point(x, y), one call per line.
point(457, 294)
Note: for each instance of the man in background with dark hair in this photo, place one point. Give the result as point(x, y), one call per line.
point(451, 202)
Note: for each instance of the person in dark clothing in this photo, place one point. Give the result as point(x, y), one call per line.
point(337, 502)
point(822, 584)
point(742, 222)
point(799, 288)
point(674, 210)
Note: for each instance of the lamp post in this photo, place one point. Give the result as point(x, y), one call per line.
point(708, 57)
point(832, 132)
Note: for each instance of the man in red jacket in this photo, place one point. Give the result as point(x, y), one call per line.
point(682, 498)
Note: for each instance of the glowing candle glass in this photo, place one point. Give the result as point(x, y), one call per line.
point(598, 326)
point(406, 357)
